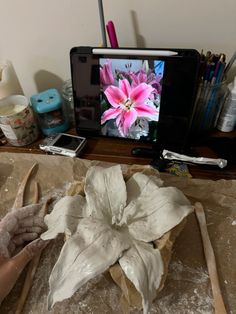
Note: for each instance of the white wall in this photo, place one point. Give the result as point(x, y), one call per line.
point(36, 35)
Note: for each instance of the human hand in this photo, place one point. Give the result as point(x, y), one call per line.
point(17, 227)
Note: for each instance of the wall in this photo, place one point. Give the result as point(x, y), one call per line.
point(36, 35)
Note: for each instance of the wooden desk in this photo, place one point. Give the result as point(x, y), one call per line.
point(119, 151)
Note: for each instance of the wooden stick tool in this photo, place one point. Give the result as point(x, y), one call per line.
point(210, 260)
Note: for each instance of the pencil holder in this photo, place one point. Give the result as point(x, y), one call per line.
point(209, 102)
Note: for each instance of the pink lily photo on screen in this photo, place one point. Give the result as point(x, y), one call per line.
point(130, 97)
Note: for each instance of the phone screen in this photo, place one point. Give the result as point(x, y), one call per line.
point(68, 142)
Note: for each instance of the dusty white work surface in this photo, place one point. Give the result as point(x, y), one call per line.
point(187, 288)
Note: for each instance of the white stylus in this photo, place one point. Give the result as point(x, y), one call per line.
point(134, 52)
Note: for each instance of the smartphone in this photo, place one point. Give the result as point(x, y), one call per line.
point(64, 144)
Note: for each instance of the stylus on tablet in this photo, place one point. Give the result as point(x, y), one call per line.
point(135, 52)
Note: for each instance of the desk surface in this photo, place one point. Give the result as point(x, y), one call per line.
point(119, 151)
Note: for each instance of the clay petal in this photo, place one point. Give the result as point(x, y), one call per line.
point(140, 189)
point(143, 266)
point(105, 191)
point(157, 212)
point(138, 182)
point(88, 253)
point(64, 217)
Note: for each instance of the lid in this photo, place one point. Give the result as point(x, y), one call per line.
point(46, 101)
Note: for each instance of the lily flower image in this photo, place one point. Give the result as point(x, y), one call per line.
point(129, 103)
point(106, 75)
point(147, 77)
point(115, 221)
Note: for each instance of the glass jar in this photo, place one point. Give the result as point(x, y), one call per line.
point(68, 102)
point(209, 102)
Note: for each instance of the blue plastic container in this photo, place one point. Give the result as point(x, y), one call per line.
point(48, 107)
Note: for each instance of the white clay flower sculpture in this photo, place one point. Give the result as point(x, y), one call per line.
point(116, 221)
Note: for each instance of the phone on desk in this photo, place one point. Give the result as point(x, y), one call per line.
point(64, 144)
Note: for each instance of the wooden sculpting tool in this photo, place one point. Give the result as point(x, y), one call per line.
point(210, 260)
point(19, 200)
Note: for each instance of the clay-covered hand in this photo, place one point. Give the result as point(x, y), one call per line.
point(17, 227)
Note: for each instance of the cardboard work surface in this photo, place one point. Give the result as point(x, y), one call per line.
point(187, 288)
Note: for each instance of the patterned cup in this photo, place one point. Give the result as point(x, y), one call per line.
point(17, 120)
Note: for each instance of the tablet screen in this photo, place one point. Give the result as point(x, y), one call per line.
point(130, 97)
